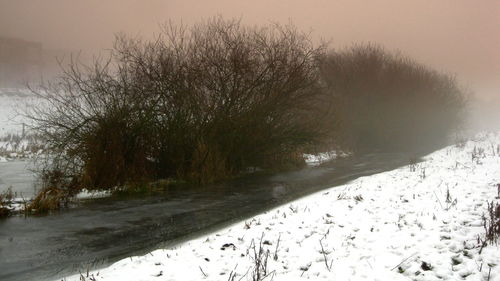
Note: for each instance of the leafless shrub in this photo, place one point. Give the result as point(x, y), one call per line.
point(388, 101)
point(201, 103)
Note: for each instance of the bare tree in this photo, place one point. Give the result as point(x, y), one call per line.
point(388, 101)
point(201, 103)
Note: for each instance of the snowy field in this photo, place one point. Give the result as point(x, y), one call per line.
point(419, 222)
point(13, 103)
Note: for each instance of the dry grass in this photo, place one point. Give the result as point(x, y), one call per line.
point(47, 200)
point(55, 193)
point(6, 198)
point(491, 223)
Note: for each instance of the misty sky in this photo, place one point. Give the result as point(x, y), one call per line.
point(458, 36)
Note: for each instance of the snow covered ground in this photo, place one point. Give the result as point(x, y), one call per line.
point(20, 148)
point(419, 222)
point(320, 158)
point(13, 103)
point(86, 194)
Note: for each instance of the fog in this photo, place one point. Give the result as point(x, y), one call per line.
point(456, 36)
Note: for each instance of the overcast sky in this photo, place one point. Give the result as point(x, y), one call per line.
point(458, 36)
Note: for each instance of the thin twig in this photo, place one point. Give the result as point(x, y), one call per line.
point(276, 251)
point(403, 261)
point(202, 271)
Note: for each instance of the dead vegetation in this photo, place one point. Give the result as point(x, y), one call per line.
point(200, 104)
point(56, 192)
point(6, 198)
point(259, 256)
point(491, 223)
point(387, 101)
point(205, 103)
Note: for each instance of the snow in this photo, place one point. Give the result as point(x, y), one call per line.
point(418, 222)
point(93, 194)
point(320, 158)
point(16, 205)
point(12, 103)
point(20, 148)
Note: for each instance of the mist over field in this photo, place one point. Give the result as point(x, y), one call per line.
point(458, 37)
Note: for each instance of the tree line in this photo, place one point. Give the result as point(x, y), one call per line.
point(208, 102)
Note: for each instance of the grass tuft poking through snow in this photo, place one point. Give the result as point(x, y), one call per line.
point(427, 221)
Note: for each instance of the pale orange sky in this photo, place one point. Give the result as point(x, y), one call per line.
point(458, 36)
